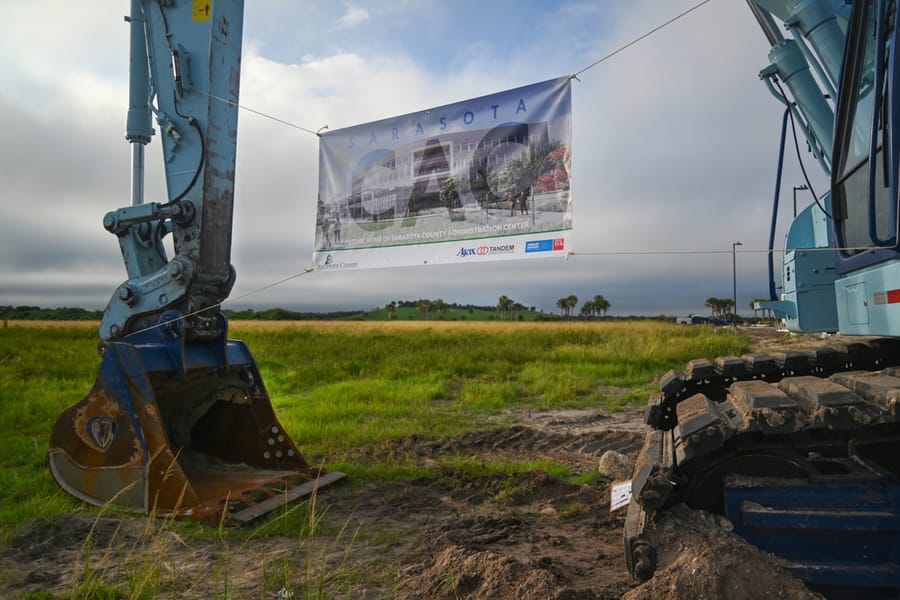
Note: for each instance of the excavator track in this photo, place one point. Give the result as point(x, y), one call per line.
point(791, 438)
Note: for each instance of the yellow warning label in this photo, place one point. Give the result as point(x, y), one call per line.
point(202, 10)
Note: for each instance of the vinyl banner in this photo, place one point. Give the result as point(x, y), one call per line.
point(483, 179)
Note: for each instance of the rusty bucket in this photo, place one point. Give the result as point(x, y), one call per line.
point(184, 429)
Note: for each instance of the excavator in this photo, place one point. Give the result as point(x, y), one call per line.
point(800, 450)
point(178, 422)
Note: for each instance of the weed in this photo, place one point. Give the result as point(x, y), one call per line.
point(573, 510)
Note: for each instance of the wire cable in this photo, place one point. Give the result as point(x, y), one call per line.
point(218, 305)
point(267, 116)
point(638, 39)
point(573, 76)
point(688, 252)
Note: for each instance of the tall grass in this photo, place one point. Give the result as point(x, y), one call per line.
point(345, 386)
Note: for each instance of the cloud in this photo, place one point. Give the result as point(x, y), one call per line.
point(353, 17)
point(674, 147)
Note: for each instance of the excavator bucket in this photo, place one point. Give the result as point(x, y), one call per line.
point(185, 429)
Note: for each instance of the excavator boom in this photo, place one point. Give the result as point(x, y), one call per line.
point(178, 421)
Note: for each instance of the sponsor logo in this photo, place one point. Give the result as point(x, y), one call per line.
point(486, 250)
point(553, 245)
point(331, 265)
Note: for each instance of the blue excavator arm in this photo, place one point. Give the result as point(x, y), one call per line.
point(178, 421)
point(187, 58)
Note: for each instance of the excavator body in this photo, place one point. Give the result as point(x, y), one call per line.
point(800, 450)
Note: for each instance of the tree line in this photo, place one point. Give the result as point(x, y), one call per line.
point(597, 306)
point(36, 313)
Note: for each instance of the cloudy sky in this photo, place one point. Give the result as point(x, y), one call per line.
point(674, 150)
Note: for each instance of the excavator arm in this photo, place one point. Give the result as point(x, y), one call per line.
point(187, 57)
point(178, 421)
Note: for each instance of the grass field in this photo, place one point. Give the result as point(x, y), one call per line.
point(341, 385)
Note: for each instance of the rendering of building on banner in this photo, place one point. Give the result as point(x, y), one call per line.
point(482, 179)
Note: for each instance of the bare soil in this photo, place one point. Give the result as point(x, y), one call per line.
point(455, 535)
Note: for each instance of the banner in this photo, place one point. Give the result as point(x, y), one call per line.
point(483, 179)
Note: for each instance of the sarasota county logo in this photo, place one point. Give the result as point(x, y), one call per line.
point(102, 431)
point(329, 264)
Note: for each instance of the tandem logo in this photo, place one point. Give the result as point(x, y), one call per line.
point(545, 245)
point(487, 250)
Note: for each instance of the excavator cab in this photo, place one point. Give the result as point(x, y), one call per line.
point(179, 422)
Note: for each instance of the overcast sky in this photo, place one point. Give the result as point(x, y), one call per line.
point(674, 150)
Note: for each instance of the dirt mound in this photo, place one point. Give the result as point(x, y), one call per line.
point(539, 537)
point(700, 558)
point(458, 573)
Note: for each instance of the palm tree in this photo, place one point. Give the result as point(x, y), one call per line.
point(569, 302)
point(602, 304)
point(440, 307)
point(720, 307)
point(588, 309)
point(562, 304)
point(504, 305)
point(518, 308)
point(424, 307)
point(713, 305)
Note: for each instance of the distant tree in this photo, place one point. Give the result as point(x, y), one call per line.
point(440, 307)
point(424, 307)
point(727, 307)
point(567, 304)
point(588, 309)
point(563, 305)
point(721, 307)
point(391, 308)
point(504, 305)
point(601, 305)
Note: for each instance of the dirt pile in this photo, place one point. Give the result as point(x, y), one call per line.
point(700, 558)
point(532, 537)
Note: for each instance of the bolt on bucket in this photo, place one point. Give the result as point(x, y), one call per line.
point(180, 429)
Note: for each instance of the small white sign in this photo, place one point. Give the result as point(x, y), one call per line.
point(620, 495)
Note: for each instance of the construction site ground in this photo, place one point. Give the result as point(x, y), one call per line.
point(453, 535)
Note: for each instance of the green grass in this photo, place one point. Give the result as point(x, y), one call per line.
point(338, 387)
